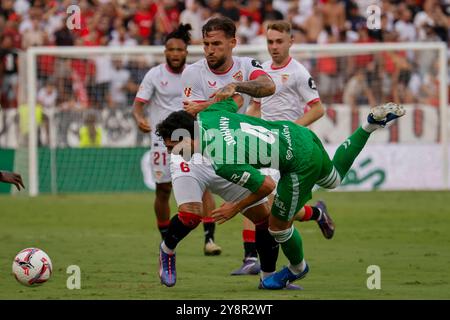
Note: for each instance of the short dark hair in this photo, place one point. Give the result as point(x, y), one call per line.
point(182, 33)
point(220, 24)
point(176, 120)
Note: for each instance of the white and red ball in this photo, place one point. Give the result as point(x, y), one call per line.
point(32, 266)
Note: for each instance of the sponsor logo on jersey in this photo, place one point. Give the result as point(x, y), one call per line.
point(289, 155)
point(238, 76)
point(287, 136)
point(284, 78)
point(235, 178)
point(212, 84)
point(312, 84)
point(244, 178)
point(240, 180)
point(164, 83)
point(256, 64)
point(188, 91)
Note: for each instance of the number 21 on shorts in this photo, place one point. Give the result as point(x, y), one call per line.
point(157, 158)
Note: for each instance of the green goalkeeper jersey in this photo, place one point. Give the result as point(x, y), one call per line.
point(238, 145)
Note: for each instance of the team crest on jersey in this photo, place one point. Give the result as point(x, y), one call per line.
point(284, 78)
point(164, 83)
point(238, 76)
point(212, 84)
point(188, 91)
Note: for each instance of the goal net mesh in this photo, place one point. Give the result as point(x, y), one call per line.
point(88, 141)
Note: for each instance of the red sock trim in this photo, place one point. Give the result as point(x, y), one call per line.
point(248, 235)
point(208, 220)
point(163, 224)
point(308, 213)
point(190, 220)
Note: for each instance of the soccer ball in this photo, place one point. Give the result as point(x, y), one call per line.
point(32, 266)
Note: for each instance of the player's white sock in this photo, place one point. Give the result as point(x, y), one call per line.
point(298, 268)
point(166, 249)
point(370, 127)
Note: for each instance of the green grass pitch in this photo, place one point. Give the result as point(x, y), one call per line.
point(114, 240)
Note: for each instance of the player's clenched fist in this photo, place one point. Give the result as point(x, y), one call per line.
point(140, 119)
point(193, 108)
point(143, 124)
point(224, 93)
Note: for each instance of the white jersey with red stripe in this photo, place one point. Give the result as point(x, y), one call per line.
point(161, 88)
point(295, 90)
point(200, 82)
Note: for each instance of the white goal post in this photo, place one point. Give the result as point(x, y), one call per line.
point(258, 52)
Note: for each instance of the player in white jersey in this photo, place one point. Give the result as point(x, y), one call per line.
point(220, 73)
point(295, 93)
point(161, 89)
point(200, 82)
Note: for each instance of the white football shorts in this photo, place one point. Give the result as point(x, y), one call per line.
point(191, 179)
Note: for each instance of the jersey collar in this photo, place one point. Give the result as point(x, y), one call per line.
point(220, 73)
point(283, 66)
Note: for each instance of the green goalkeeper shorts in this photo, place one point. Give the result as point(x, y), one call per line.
point(294, 188)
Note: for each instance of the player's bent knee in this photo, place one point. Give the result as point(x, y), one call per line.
point(190, 220)
point(283, 235)
point(192, 207)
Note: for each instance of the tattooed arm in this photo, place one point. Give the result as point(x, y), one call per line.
point(262, 86)
point(195, 107)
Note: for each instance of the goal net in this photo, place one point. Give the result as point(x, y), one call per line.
point(73, 129)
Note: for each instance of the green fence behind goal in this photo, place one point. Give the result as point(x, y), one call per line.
point(84, 169)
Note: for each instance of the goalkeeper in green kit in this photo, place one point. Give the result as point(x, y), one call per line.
point(239, 145)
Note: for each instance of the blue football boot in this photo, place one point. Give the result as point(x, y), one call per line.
point(167, 270)
point(279, 280)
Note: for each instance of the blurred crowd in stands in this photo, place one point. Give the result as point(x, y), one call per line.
point(72, 84)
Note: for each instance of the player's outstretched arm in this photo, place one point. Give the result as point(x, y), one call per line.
point(262, 86)
point(229, 209)
point(13, 178)
point(194, 108)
